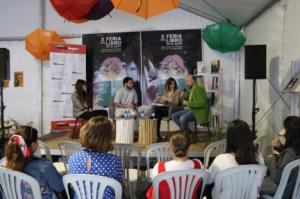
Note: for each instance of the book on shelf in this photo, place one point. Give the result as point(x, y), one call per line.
point(208, 76)
point(201, 68)
point(215, 66)
point(217, 83)
point(293, 85)
point(212, 98)
point(214, 84)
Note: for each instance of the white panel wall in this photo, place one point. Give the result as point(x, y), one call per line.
point(268, 30)
point(279, 29)
point(118, 22)
point(18, 17)
point(23, 103)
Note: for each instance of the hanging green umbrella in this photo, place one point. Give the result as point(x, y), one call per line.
point(224, 37)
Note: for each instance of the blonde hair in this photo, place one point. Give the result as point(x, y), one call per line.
point(96, 134)
point(179, 144)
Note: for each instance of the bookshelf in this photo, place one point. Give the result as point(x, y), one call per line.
point(211, 78)
point(293, 86)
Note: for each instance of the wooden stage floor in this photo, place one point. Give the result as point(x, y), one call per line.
point(53, 139)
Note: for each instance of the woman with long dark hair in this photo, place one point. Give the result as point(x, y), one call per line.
point(278, 142)
point(289, 151)
point(81, 106)
point(79, 99)
point(240, 150)
point(170, 98)
point(19, 156)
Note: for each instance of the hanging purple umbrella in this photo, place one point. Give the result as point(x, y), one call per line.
point(100, 9)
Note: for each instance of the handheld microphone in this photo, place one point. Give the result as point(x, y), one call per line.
point(183, 93)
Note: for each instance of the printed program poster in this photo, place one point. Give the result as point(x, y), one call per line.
point(68, 64)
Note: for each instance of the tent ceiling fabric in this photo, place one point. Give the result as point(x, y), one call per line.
point(237, 12)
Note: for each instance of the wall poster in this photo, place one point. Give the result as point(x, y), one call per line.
point(148, 57)
point(67, 63)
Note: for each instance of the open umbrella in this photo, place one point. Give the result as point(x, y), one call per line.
point(223, 37)
point(73, 9)
point(37, 43)
point(146, 8)
point(100, 9)
point(79, 21)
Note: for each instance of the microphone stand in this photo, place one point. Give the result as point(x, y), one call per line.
point(2, 107)
point(254, 109)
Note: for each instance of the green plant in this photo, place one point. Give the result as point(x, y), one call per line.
point(219, 134)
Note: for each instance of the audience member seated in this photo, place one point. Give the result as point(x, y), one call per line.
point(96, 136)
point(240, 150)
point(19, 156)
point(289, 151)
point(81, 108)
point(279, 141)
point(126, 99)
point(170, 99)
point(179, 145)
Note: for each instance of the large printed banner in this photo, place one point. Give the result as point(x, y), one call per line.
point(111, 57)
point(167, 54)
point(162, 54)
point(67, 63)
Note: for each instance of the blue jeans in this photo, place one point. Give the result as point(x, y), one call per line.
point(182, 118)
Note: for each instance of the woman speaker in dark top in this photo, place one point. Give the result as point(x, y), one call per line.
point(81, 108)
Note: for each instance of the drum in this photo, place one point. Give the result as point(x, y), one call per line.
point(124, 131)
point(147, 131)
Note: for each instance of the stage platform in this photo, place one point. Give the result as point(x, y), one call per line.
point(53, 139)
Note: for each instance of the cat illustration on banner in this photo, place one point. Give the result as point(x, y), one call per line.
point(172, 66)
point(108, 79)
point(112, 68)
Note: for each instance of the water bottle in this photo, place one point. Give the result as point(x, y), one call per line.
point(128, 114)
point(125, 113)
point(153, 115)
point(142, 114)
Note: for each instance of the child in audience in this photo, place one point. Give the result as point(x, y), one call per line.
point(19, 156)
point(240, 150)
point(96, 136)
point(289, 151)
point(179, 145)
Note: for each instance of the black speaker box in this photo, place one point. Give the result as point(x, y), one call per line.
point(4, 64)
point(255, 61)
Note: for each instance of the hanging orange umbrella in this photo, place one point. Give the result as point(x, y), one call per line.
point(146, 8)
point(37, 43)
